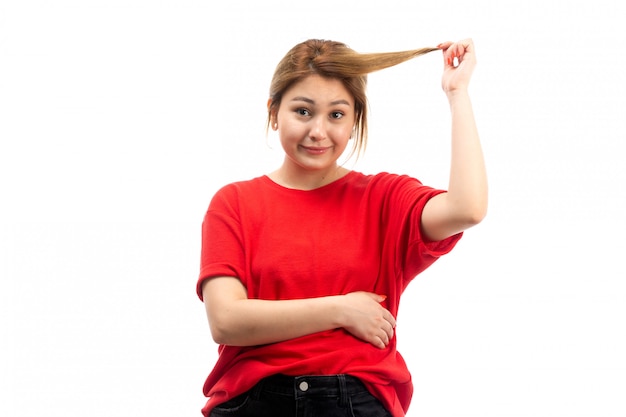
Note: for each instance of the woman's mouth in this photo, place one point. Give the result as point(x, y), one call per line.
point(315, 150)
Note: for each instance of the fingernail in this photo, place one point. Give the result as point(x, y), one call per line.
point(384, 296)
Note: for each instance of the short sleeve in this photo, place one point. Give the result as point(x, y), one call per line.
point(421, 252)
point(222, 252)
point(414, 253)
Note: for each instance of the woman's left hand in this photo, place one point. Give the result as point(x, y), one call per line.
point(459, 60)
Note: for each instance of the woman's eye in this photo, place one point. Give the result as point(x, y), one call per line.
point(336, 115)
point(303, 112)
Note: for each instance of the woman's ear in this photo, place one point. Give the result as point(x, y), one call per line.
point(273, 115)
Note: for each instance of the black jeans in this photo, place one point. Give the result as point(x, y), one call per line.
point(304, 396)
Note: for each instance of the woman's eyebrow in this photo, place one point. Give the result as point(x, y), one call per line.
point(332, 103)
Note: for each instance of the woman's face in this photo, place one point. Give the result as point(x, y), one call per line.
point(314, 122)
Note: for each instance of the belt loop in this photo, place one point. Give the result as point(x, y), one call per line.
point(343, 390)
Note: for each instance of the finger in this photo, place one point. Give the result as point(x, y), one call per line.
point(468, 44)
point(449, 55)
point(378, 342)
point(390, 319)
point(454, 54)
point(444, 45)
point(388, 332)
point(384, 338)
point(379, 298)
point(465, 49)
point(445, 48)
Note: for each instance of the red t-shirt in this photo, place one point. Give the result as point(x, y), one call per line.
point(359, 233)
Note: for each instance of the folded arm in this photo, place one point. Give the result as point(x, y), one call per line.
point(236, 320)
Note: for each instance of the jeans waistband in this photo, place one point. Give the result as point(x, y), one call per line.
point(312, 385)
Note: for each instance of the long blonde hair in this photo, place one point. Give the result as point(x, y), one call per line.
point(335, 60)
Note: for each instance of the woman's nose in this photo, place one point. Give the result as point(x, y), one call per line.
point(318, 130)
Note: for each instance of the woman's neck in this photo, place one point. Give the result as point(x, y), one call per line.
point(306, 180)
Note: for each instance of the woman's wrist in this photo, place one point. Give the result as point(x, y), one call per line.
point(457, 93)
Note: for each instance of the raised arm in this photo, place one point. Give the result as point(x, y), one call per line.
point(238, 321)
point(465, 203)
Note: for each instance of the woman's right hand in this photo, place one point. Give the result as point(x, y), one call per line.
point(365, 318)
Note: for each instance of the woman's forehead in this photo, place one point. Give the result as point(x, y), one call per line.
point(319, 90)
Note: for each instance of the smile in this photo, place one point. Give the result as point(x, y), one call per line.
point(315, 150)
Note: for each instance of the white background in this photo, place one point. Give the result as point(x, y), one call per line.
point(120, 119)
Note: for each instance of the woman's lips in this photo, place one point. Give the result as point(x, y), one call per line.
point(315, 149)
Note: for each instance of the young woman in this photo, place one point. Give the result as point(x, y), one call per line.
point(302, 269)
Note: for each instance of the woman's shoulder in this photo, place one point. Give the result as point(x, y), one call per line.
point(242, 185)
point(235, 190)
point(387, 179)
